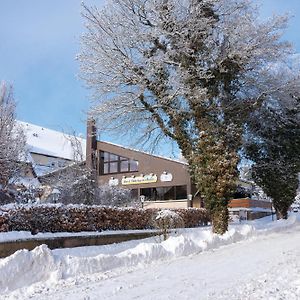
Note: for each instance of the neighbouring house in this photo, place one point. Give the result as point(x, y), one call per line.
point(50, 150)
point(249, 202)
point(23, 186)
point(158, 181)
point(250, 209)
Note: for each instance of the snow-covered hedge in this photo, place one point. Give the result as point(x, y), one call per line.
point(76, 218)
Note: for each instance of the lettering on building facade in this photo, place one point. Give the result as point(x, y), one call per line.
point(150, 178)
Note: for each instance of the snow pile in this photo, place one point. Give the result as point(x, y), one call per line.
point(26, 267)
point(43, 265)
point(166, 213)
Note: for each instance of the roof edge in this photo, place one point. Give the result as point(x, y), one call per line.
point(144, 152)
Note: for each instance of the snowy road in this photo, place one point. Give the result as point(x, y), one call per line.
point(264, 266)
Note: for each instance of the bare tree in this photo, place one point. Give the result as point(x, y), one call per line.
point(12, 138)
point(75, 182)
point(187, 70)
point(115, 196)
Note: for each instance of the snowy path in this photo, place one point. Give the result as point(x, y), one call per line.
point(205, 275)
point(262, 267)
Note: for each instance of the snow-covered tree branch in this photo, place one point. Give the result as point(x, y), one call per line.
point(189, 70)
point(12, 137)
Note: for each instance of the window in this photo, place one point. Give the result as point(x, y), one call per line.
point(181, 192)
point(105, 156)
point(111, 163)
point(134, 194)
point(165, 193)
point(124, 166)
point(113, 167)
point(133, 165)
point(113, 157)
point(105, 169)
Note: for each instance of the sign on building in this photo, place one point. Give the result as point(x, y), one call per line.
point(150, 178)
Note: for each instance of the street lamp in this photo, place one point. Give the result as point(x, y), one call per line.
point(190, 198)
point(142, 198)
point(55, 195)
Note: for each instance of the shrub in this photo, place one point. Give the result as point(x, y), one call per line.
point(165, 220)
point(76, 218)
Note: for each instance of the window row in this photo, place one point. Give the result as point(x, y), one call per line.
point(111, 163)
point(165, 193)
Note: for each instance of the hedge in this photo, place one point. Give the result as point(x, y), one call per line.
point(76, 218)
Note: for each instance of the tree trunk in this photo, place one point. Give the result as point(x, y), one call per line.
point(220, 218)
point(281, 214)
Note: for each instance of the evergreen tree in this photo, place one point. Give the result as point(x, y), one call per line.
point(274, 147)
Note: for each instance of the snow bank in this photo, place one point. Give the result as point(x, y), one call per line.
point(26, 267)
point(43, 265)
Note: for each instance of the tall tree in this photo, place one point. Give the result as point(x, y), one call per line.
point(188, 70)
point(273, 144)
point(12, 137)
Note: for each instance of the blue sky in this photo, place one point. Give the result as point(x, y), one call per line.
point(39, 40)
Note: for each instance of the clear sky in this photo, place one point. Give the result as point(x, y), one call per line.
point(39, 40)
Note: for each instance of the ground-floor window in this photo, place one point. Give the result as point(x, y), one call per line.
point(134, 193)
point(178, 192)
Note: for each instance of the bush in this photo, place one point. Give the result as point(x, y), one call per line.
point(6, 197)
point(114, 196)
point(165, 220)
point(76, 218)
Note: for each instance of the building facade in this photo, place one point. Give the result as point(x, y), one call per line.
point(162, 182)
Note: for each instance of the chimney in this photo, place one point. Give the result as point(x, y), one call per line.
point(91, 144)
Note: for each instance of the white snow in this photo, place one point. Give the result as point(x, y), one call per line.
point(254, 260)
point(26, 181)
point(166, 213)
point(46, 141)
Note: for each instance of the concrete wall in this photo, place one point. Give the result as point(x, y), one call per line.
point(166, 204)
point(8, 248)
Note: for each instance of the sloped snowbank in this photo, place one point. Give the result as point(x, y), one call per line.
point(43, 265)
point(26, 267)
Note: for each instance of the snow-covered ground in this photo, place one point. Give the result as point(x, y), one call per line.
point(257, 260)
